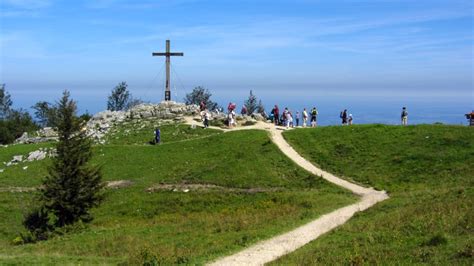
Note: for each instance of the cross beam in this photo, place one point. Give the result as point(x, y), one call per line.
point(168, 55)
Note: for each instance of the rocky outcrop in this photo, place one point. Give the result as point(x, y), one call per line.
point(42, 135)
point(98, 126)
point(40, 154)
point(102, 122)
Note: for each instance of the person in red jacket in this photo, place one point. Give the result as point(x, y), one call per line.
point(275, 113)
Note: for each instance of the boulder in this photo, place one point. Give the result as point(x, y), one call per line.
point(37, 155)
point(258, 117)
point(17, 159)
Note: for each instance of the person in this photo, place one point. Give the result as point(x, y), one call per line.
point(234, 120)
point(231, 106)
point(297, 118)
point(350, 119)
point(289, 118)
point(283, 116)
point(314, 115)
point(470, 118)
point(157, 136)
point(343, 116)
point(207, 116)
point(404, 116)
point(305, 117)
point(275, 113)
point(202, 106)
point(244, 110)
point(230, 119)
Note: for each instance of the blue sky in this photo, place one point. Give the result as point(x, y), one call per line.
point(282, 50)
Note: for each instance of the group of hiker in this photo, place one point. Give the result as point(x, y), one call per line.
point(286, 118)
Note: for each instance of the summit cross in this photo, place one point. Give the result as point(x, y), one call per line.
point(168, 55)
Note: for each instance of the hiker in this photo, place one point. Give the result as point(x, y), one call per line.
point(297, 118)
point(231, 107)
point(314, 116)
point(230, 119)
point(289, 119)
point(207, 116)
point(305, 117)
point(157, 136)
point(244, 110)
point(470, 118)
point(404, 116)
point(350, 119)
point(275, 113)
point(202, 106)
point(283, 116)
point(343, 116)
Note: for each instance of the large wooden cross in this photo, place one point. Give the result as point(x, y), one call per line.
point(168, 55)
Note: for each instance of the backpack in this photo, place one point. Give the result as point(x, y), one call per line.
point(314, 112)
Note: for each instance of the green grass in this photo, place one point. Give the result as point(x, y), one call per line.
point(175, 227)
point(429, 174)
point(141, 133)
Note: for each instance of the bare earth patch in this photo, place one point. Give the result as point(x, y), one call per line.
point(185, 187)
point(18, 189)
point(118, 184)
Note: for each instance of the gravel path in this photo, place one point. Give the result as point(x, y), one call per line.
point(278, 246)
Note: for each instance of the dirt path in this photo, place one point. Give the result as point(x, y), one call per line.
point(278, 246)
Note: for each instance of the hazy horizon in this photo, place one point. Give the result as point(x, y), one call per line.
point(340, 54)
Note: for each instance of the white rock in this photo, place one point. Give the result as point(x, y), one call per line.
point(17, 158)
point(36, 155)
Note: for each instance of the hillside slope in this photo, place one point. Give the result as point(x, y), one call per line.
point(429, 174)
point(251, 192)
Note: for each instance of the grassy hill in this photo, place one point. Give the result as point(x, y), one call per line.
point(253, 192)
point(428, 171)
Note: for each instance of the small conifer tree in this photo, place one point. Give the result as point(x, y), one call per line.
point(251, 103)
point(72, 187)
point(260, 107)
point(200, 94)
point(5, 102)
point(119, 98)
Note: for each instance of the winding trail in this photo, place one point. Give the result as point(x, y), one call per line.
point(273, 248)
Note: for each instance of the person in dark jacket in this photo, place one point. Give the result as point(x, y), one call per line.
point(344, 117)
point(157, 136)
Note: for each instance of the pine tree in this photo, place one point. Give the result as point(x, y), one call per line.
point(119, 98)
point(198, 95)
point(72, 187)
point(260, 107)
point(5, 102)
point(251, 103)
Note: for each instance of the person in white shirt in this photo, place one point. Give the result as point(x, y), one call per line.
point(305, 117)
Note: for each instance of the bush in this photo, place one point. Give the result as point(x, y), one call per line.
point(37, 222)
point(15, 124)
